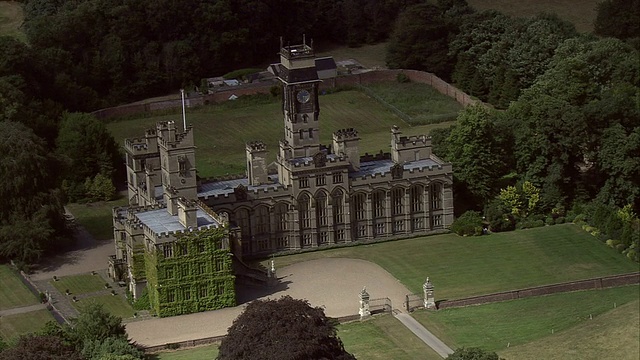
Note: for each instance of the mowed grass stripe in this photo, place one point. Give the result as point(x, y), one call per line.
point(79, 284)
point(468, 266)
point(612, 335)
point(13, 326)
point(494, 326)
point(383, 337)
point(13, 293)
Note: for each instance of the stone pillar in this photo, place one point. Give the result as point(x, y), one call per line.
point(271, 273)
point(364, 304)
point(429, 299)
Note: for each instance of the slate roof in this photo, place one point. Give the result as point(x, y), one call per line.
point(325, 63)
point(380, 167)
point(160, 221)
point(227, 186)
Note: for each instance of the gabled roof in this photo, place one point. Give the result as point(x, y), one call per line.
point(325, 63)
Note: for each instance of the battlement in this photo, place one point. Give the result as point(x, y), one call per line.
point(374, 157)
point(255, 146)
point(309, 162)
point(420, 140)
point(168, 136)
point(346, 134)
point(297, 51)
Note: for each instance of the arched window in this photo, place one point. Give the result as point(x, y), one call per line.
point(304, 206)
point(436, 196)
point(262, 220)
point(416, 198)
point(379, 203)
point(321, 208)
point(282, 216)
point(397, 201)
point(359, 206)
point(337, 202)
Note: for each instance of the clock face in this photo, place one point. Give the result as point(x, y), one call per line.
point(303, 96)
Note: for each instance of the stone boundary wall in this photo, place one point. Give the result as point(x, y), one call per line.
point(53, 310)
point(588, 284)
point(223, 94)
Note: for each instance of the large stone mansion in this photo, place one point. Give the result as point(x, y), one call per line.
point(312, 196)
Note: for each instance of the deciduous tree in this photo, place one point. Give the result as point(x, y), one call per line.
point(286, 328)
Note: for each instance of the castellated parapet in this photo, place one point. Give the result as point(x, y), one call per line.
point(411, 148)
point(345, 143)
point(257, 171)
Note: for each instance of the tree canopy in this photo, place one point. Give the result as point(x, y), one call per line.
point(286, 328)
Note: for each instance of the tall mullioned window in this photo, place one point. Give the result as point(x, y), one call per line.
point(360, 206)
point(436, 196)
point(416, 198)
point(378, 203)
point(321, 209)
point(337, 202)
point(262, 220)
point(397, 196)
point(304, 207)
point(282, 216)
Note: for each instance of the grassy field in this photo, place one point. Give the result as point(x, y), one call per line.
point(96, 218)
point(421, 102)
point(198, 353)
point(612, 335)
point(15, 325)
point(516, 322)
point(581, 13)
point(116, 305)
point(13, 293)
point(383, 337)
point(221, 131)
point(79, 284)
point(370, 56)
point(467, 266)
point(11, 17)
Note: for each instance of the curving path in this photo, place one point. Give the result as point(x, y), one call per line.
point(332, 283)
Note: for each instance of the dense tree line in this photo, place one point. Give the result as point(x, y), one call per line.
point(115, 51)
point(93, 335)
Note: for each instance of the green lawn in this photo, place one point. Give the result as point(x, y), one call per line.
point(467, 266)
point(494, 326)
point(96, 217)
point(370, 56)
point(14, 325)
point(13, 293)
point(582, 13)
point(383, 337)
point(421, 102)
point(116, 305)
point(612, 335)
point(11, 17)
point(79, 284)
point(221, 131)
point(207, 352)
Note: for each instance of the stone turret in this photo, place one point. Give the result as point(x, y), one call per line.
point(257, 171)
point(409, 148)
point(345, 143)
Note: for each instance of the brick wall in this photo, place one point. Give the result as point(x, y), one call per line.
point(264, 87)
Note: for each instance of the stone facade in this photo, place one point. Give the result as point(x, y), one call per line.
point(313, 196)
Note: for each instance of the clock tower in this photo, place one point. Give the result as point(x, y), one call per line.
point(299, 77)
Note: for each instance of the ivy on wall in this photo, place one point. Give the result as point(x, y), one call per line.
point(196, 275)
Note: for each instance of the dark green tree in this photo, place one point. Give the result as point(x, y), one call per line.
point(618, 18)
point(40, 347)
point(109, 348)
point(286, 328)
point(473, 354)
point(94, 324)
point(476, 154)
point(90, 149)
point(32, 216)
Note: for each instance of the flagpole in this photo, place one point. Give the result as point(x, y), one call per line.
point(184, 116)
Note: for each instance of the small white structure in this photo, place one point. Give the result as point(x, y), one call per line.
point(429, 298)
point(364, 304)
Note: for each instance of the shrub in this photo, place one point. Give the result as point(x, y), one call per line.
point(560, 220)
point(550, 221)
point(275, 90)
point(468, 224)
point(402, 78)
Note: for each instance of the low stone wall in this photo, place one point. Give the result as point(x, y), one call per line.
point(588, 284)
point(223, 94)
